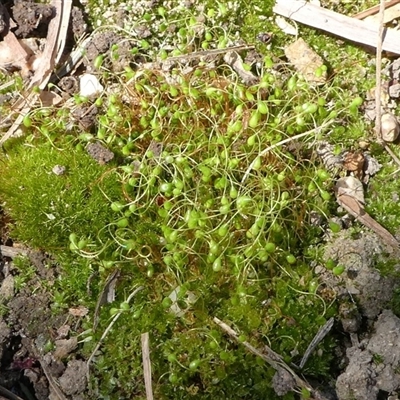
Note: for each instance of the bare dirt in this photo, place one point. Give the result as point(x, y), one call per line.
point(27, 327)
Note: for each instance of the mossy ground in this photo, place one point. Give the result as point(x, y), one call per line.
point(181, 219)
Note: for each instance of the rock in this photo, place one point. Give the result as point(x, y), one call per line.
point(64, 347)
point(283, 382)
point(5, 333)
point(394, 90)
point(100, 153)
point(389, 127)
point(7, 287)
point(90, 85)
point(361, 279)
point(358, 382)
point(73, 380)
point(375, 368)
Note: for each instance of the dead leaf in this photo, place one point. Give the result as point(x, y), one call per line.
point(49, 99)
point(233, 59)
point(371, 165)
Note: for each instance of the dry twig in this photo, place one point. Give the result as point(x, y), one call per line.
point(7, 251)
point(378, 89)
point(373, 10)
point(356, 209)
point(322, 332)
point(10, 395)
point(52, 381)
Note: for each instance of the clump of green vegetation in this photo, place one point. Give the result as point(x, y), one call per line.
point(205, 206)
point(45, 206)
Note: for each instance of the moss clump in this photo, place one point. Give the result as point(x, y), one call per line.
point(47, 207)
point(194, 209)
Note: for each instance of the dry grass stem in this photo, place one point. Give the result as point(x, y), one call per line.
point(147, 365)
point(378, 89)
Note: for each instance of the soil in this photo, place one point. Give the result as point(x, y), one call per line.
point(368, 354)
point(27, 326)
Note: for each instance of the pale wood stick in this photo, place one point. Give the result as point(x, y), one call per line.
point(55, 42)
point(375, 9)
point(12, 252)
point(341, 25)
point(356, 209)
point(147, 365)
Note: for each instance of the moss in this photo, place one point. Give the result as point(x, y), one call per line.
point(47, 207)
point(175, 214)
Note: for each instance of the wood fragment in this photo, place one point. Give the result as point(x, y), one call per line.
point(56, 37)
point(390, 14)
point(9, 395)
point(355, 208)
point(55, 42)
point(147, 365)
point(341, 25)
point(375, 9)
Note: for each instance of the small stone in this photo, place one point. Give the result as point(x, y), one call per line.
point(58, 170)
point(363, 144)
point(394, 90)
point(283, 382)
point(7, 287)
point(89, 85)
point(390, 127)
point(100, 153)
